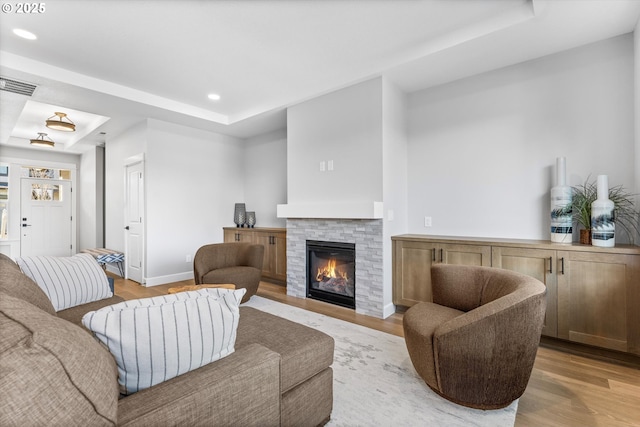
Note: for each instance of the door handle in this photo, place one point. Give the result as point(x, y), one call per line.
point(127, 227)
point(562, 265)
point(441, 255)
point(26, 225)
point(550, 264)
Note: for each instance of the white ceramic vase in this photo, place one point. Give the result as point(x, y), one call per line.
point(561, 218)
point(603, 226)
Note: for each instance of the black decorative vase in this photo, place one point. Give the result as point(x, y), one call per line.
point(240, 215)
point(251, 219)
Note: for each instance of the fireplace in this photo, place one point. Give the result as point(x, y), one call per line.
point(331, 272)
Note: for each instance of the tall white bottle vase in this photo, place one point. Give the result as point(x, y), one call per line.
point(603, 226)
point(561, 218)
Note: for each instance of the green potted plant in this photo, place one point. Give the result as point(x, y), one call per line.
point(626, 217)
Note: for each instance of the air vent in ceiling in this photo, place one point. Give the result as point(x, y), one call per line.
point(17, 87)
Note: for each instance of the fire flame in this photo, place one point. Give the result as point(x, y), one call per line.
point(330, 271)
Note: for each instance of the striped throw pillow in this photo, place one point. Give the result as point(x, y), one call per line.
point(156, 339)
point(67, 281)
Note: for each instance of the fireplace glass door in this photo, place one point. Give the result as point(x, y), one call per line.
point(331, 269)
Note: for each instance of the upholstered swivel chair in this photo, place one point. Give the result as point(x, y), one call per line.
point(476, 343)
point(236, 263)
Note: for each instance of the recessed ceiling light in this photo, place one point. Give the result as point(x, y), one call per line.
point(213, 96)
point(24, 34)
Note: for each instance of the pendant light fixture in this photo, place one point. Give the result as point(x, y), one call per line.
point(43, 140)
point(60, 121)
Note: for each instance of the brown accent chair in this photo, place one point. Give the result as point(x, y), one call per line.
point(237, 263)
point(476, 343)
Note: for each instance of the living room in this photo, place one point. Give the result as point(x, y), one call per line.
point(485, 143)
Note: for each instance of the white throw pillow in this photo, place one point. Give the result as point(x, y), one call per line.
point(156, 339)
point(67, 281)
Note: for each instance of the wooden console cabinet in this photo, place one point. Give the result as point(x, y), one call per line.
point(593, 294)
point(274, 240)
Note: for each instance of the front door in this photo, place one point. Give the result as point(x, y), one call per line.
point(134, 215)
point(45, 226)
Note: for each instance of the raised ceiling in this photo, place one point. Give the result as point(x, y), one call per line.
point(130, 60)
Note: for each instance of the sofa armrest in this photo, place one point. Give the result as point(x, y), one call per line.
point(74, 314)
point(240, 389)
point(486, 343)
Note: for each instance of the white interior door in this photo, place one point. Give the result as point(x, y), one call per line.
point(46, 221)
point(134, 217)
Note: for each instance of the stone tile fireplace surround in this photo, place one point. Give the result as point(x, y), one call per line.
point(367, 236)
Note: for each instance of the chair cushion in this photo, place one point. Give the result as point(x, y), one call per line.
point(67, 281)
point(304, 351)
point(52, 371)
point(13, 282)
point(420, 323)
point(156, 339)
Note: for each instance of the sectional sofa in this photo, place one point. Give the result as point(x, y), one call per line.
point(54, 372)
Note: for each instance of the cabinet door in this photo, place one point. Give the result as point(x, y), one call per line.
point(477, 255)
point(264, 239)
point(599, 300)
point(538, 263)
point(274, 265)
point(412, 272)
point(280, 256)
point(229, 235)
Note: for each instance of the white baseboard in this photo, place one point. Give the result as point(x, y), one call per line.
point(162, 280)
point(388, 310)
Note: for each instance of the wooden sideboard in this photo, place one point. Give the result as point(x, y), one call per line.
point(593, 294)
point(274, 240)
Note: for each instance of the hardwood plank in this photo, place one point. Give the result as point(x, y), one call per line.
point(564, 389)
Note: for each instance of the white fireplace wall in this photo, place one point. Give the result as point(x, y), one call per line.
point(367, 234)
point(344, 127)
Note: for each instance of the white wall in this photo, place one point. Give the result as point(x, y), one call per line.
point(193, 178)
point(39, 156)
point(394, 169)
point(265, 179)
point(344, 126)
point(90, 200)
point(482, 149)
point(131, 142)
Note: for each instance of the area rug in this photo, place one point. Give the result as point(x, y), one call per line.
point(374, 382)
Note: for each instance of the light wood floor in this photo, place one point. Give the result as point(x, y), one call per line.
point(564, 390)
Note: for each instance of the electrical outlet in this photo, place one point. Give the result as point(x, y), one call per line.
point(330, 165)
point(188, 258)
point(323, 166)
point(427, 221)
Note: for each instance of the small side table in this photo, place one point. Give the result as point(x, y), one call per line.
point(196, 287)
point(107, 256)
